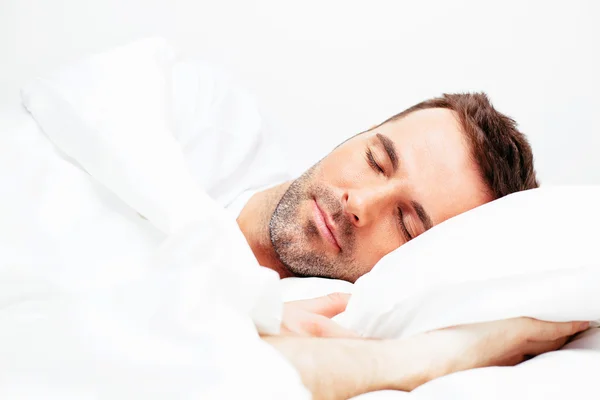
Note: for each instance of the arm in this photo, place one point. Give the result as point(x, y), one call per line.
point(342, 368)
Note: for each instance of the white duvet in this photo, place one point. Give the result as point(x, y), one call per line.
point(98, 302)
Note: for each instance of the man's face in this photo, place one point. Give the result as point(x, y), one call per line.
point(374, 193)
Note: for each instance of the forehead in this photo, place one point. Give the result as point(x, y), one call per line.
point(435, 162)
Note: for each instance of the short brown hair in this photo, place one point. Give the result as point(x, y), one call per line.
point(502, 153)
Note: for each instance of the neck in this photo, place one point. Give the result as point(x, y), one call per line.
point(254, 223)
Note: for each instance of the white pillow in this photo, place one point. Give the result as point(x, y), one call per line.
point(533, 253)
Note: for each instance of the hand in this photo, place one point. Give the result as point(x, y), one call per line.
point(313, 317)
point(499, 343)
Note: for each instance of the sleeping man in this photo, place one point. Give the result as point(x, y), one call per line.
point(385, 186)
point(370, 195)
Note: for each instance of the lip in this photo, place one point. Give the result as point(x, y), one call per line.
point(325, 226)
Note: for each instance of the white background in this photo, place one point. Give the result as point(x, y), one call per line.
point(329, 69)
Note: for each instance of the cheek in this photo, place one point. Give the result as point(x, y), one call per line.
point(376, 242)
point(344, 168)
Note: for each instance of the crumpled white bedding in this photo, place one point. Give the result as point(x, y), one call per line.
point(83, 288)
point(56, 220)
point(96, 302)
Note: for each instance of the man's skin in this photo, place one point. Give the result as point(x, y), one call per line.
point(373, 203)
point(370, 195)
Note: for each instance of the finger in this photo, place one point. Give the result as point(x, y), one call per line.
point(550, 331)
point(324, 327)
point(512, 361)
point(327, 306)
point(537, 348)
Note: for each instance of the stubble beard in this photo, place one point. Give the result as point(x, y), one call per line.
point(292, 237)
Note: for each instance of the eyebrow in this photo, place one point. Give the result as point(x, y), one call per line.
point(422, 214)
point(390, 149)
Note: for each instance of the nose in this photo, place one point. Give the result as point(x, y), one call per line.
point(363, 206)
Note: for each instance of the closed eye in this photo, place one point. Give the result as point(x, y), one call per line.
point(371, 161)
point(403, 228)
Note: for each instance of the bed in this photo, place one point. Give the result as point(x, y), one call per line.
point(72, 228)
